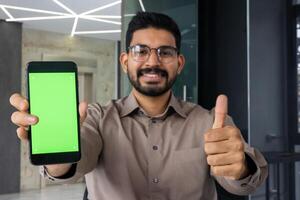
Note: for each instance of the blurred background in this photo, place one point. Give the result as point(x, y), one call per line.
point(247, 49)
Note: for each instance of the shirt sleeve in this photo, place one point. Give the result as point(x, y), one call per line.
point(91, 147)
point(248, 184)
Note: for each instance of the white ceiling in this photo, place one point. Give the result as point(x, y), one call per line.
point(67, 11)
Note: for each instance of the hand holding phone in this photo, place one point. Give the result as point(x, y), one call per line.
point(23, 119)
point(53, 98)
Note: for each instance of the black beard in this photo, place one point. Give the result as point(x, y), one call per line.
point(148, 90)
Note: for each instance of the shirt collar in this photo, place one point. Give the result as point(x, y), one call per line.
point(177, 106)
point(130, 104)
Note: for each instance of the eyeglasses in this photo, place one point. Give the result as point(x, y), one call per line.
point(165, 54)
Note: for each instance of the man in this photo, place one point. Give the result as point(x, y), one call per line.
point(151, 145)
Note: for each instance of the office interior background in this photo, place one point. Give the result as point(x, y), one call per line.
point(247, 49)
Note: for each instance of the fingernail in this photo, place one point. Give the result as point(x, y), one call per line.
point(31, 119)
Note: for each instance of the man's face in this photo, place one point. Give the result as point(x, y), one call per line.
point(152, 76)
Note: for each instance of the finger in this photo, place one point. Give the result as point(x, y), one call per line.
point(22, 133)
point(233, 171)
point(221, 110)
point(220, 134)
point(212, 148)
point(19, 102)
point(225, 146)
point(225, 159)
point(83, 111)
point(23, 119)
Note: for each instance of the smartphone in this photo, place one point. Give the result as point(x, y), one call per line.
point(53, 98)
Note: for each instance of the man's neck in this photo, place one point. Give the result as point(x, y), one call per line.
point(152, 105)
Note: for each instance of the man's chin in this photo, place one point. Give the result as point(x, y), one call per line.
point(152, 82)
point(152, 91)
point(153, 86)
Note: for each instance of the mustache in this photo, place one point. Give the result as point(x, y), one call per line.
point(154, 70)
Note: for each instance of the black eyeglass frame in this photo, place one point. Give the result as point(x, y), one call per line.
point(156, 49)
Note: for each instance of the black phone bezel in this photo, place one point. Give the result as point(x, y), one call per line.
point(63, 157)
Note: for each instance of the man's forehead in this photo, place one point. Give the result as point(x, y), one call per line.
point(152, 36)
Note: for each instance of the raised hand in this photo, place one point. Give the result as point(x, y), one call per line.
point(23, 119)
point(224, 145)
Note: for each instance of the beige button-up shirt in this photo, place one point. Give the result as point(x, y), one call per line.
point(127, 155)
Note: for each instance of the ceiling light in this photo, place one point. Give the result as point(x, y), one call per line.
point(101, 8)
point(64, 7)
point(100, 20)
point(94, 32)
point(33, 10)
point(38, 18)
point(129, 15)
point(74, 26)
point(142, 5)
point(105, 16)
point(73, 14)
point(70, 14)
point(6, 12)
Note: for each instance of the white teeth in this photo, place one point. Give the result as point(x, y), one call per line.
point(151, 75)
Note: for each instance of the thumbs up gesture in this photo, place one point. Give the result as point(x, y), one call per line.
point(224, 145)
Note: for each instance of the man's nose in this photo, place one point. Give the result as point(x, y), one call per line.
point(153, 58)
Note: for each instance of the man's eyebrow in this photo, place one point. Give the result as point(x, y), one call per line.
point(139, 44)
point(168, 46)
point(156, 47)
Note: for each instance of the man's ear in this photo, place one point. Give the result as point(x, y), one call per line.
point(124, 61)
point(181, 63)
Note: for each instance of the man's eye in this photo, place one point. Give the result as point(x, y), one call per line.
point(142, 52)
point(166, 52)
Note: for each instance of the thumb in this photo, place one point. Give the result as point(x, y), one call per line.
point(221, 110)
point(82, 111)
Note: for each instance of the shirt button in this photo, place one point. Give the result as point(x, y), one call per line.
point(155, 180)
point(155, 147)
point(153, 121)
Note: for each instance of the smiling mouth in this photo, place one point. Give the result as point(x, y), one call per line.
point(151, 77)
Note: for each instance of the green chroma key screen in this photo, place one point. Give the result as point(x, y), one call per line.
point(53, 100)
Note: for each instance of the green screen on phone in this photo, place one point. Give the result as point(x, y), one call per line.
point(53, 100)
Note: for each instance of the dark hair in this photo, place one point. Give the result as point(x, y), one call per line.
point(143, 20)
